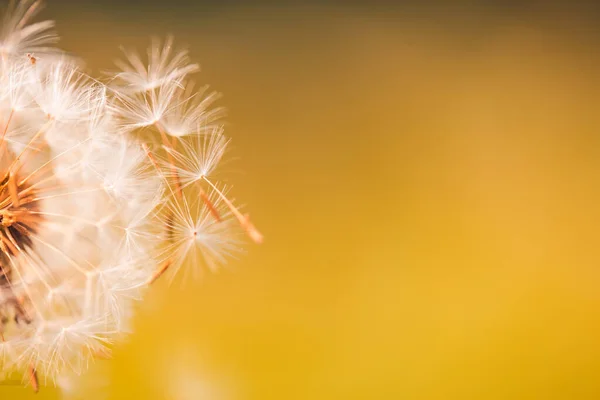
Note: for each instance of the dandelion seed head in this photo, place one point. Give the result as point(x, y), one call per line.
point(104, 187)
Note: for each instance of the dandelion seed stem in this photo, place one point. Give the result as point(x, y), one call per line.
point(244, 220)
point(167, 145)
point(13, 190)
point(10, 116)
point(33, 378)
point(211, 207)
point(153, 161)
point(160, 272)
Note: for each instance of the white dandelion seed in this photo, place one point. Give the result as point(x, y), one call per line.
point(63, 93)
point(196, 156)
point(191, 112)
point(142, 109)
point(196, 238)
point(163, 66)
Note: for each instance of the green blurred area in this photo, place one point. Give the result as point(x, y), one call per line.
point(427, 185)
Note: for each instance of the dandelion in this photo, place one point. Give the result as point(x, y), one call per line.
point(104, 188)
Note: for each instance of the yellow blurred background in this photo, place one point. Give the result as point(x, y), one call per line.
point(427, 180)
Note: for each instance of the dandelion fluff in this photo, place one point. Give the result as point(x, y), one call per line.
point(103, 189)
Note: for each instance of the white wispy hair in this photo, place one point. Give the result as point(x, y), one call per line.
point(19, 36)
point(142, 109)
point(197, 238)
point(103, 189)
point(16, 83)
point(63, 93)
point(192, 111)
point(196, 156)
point(163, 65)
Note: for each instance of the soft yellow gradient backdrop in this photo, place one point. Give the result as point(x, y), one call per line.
point(428, 187)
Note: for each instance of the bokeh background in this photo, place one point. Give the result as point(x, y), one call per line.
point(427, 178)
